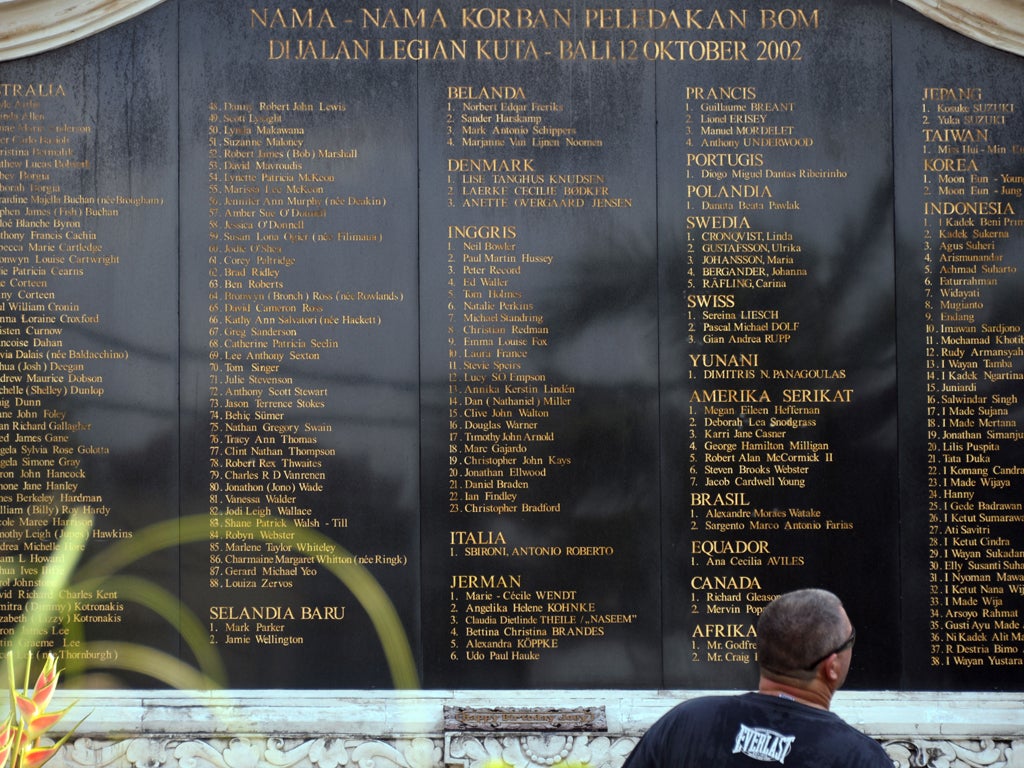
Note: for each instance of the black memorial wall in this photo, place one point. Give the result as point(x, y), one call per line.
point(514, 346)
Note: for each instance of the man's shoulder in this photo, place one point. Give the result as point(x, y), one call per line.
point(706, 705)
point(730, 702)
point(703, 712)
point(713, 702)
point(867, 749)
point(718, 703)
point(717, 730)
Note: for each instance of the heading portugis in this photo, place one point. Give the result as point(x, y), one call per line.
point(337, 33)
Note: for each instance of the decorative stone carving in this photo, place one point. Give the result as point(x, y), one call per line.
point(251, 752)
point(519, 750)
point(408, 729)
point(34, 26)
point(927, 753)
point(536, 750)
point(525, 719)
point(999, 23)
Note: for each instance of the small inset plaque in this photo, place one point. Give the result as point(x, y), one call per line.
point(524, 719)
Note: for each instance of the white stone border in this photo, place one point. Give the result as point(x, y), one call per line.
point(409, 714)
point(399, 729)
point(28, 27)
point(404, 729)
point(464, 751)
point(998, 23)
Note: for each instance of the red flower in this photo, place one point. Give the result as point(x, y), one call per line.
point(29, 720)
point(6, 742)
point(36, 756)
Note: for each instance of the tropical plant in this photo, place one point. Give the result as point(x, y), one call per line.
point(63, 576)
point(21, 737)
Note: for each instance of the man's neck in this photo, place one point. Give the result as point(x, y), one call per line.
point(813, 696)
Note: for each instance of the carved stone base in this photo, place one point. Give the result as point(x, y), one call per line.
point(360, 729)
point(244, 752)
point(521, 750)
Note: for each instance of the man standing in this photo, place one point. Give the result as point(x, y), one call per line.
point(804, 645)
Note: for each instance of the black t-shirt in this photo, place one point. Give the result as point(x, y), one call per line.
point(750, 730)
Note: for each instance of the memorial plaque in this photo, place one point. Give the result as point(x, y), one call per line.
point(88, 348)
point(299, 301)
point(513, 346)
point(538, 309)
point(960, 230)
point(777, 346)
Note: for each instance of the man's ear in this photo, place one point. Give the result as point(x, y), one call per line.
point(830, 669)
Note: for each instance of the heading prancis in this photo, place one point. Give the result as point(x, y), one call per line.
point(495, 17)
